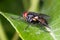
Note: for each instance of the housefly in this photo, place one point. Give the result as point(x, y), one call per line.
point(36, 18)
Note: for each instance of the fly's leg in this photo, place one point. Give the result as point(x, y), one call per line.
point(48, 26)
point(27, 26)
point(17, 18)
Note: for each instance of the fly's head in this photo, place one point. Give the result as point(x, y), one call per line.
point(25, 15)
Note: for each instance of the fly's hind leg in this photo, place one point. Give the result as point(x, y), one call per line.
point(29, 25)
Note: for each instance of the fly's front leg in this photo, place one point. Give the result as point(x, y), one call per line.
point(17, 17)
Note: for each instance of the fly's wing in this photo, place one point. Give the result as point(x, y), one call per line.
point(44, 16)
